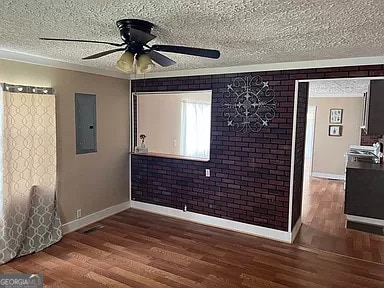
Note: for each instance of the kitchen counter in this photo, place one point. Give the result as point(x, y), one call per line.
point(365, 165)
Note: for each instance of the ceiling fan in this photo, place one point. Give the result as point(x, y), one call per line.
point(136, 34)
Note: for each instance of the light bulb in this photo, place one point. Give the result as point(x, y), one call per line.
point(144, 64)
point(125, 62)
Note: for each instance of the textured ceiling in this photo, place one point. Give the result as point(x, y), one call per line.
point(245, 31)
point(338, 88)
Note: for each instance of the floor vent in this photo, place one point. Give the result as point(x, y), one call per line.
point(92, 229)
point(379, 230)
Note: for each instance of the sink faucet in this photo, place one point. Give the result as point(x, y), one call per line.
point(376, 157)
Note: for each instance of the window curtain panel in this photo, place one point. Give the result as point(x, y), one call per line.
point(29, 220)
point(195, 129)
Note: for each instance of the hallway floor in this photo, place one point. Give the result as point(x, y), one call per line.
point(324, 221)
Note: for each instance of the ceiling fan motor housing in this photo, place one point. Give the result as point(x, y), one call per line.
point(125, 25)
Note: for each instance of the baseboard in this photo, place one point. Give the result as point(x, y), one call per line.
point(94, 217)
point(368, 228)
point(283, 236)
point(296, 230)
point(365, 220)
point(328, 176)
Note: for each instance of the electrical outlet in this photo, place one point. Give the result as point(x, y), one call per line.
point(78, 213)
point(208, 172)
point(174, 143)
point(185, 208)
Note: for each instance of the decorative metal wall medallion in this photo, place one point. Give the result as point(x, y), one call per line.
point(249, 104)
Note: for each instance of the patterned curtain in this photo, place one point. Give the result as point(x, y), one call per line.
point(29, 220)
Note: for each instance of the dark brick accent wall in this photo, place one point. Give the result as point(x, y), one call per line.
point(250, 172)
point(368, 140)
point(302, 106)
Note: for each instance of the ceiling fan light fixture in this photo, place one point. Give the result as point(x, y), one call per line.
point(125, 62)
point(144, 63)
point(137, 54)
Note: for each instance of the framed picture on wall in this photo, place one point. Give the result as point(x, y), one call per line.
point(335, 130)
point(336, 116)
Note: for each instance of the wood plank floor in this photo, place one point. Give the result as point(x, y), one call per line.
point(139, 249)
point(324, 223)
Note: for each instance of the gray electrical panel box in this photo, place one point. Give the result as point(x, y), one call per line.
point(85, 105)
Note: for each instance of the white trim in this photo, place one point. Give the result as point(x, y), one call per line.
point(313, 138)
point(296, 229)
point(328, 176)
point(38, 60)
point(293, 156)
point(131, 138)
point(338, 96)
point(365, 220)
point(342, 78)
point(174, 92)
point(283, 236)
point(265, 67)
point(94, 217)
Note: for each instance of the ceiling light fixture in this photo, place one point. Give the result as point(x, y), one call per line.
point(136, 34)
point(126, 63)
point(144, 64)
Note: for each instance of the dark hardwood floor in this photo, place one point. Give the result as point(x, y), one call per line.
point(139, 249)
point(324, 223)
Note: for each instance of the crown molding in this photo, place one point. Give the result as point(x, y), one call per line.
point(39, 60)
point(33, 59)
point(265, 67)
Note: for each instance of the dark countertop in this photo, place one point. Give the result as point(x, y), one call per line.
point(365, 165)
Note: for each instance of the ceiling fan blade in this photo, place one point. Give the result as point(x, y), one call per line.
point(82, 41)
point(208, 53)
point(160, 59)
point(140, 36)
point(101, 54)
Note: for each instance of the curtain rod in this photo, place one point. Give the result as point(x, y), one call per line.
point(26, 89)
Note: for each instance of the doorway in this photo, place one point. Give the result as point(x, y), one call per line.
point(309, 140)
point(322, 206)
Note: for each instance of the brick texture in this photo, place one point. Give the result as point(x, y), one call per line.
point(250, 172)
point(368, 140)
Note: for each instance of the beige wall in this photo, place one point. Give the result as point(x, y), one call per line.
point(159, 118)
point(94, 181)
point(328, 154)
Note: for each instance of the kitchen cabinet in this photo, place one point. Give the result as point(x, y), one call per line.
point(364, 192)
point(373, 108)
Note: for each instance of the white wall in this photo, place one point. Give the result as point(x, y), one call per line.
point(328, 156)
point(94, 181)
